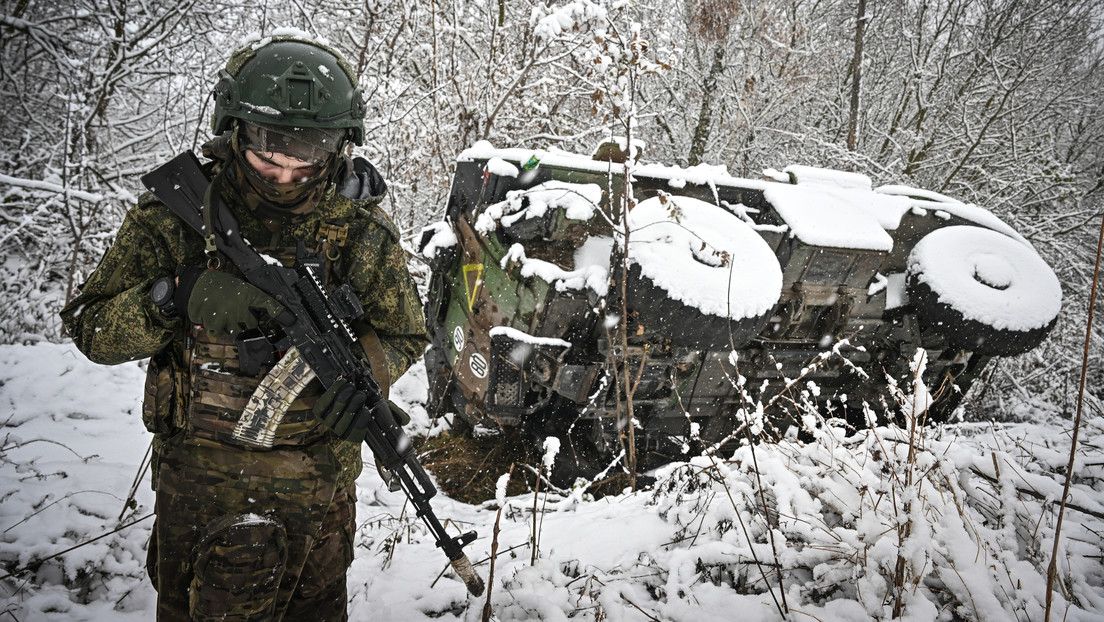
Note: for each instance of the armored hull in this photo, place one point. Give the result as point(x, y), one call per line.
point(743, 299)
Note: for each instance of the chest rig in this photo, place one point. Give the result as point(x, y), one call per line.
point(225, 371)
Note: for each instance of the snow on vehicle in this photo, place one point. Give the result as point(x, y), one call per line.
point(734, 288)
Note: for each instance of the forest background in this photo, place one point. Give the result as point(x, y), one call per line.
point(995, 102)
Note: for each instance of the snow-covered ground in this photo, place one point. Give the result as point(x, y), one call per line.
point(957, 526)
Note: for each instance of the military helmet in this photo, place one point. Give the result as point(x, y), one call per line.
point(289, 82)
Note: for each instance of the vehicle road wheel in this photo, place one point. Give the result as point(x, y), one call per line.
point(983, 291)
point(699, 275)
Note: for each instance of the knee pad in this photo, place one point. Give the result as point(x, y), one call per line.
point(238, 564)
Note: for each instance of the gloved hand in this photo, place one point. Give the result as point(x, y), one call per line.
point(221, 302)
point(341, 409)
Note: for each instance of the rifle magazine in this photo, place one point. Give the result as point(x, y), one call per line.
point(272, 399)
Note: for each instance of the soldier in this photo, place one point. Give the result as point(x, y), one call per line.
point(244, 533)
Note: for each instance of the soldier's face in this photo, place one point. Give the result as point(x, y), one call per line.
point(281, 168)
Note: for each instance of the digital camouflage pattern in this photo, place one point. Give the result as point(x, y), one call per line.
point(195, 393)
point(113, 320)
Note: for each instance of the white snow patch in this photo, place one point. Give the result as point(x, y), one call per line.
point(896, 290)
point(594, 276)
point(988, 277)
point(819, 216)
point(524, 337)
point(579, 201)
point(704, 256)
point(551, 448)
point(502, 168)
point(676, 551)
point(442, 237)
point(811, 176)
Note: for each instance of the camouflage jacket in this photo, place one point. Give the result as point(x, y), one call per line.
point(114, 319)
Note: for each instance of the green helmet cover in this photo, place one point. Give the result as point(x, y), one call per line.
point(289, 82)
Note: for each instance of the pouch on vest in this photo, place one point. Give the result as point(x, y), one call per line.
point(255, 353)
point(159, 405)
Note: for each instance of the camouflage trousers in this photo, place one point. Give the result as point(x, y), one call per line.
point(246, 536)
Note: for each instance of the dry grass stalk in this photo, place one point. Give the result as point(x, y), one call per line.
point(494, 553)
point(1052, 570)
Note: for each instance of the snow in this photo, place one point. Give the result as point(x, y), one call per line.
point(704, 256)
point(592, 259)
point(262, 109)
point(91, 197)
point(441, 237)
point(974, 532)
point(988, 277)
point(523, 337)
point(833, 208)
point(593, 276)
point(502, 168)
point(907, 191)
point(551, 22)
point(826, 177)
point(579, 201)
point(896, 290)
point(821, 217)
point(256, 40)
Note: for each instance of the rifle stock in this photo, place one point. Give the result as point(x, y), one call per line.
point(315, 327)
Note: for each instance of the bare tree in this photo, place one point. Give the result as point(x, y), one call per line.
point(711, 21)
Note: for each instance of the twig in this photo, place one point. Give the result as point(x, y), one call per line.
point(448, 566)
point(751, 546)
point(494, 555)
point(479, 469)
point(637, 607)
point(18, 445)
point(130, 502)
point(771, 524)
point(53, 503)
point(38, 562)
point(1052, 569)
point(1040, 496)
point(536, 497)
point(783, 607)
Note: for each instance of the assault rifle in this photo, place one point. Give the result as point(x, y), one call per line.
point(315, 333)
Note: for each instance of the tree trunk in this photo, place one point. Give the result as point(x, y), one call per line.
point(856, 77)
point(705, 115)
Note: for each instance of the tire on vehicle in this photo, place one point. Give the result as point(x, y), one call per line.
point(699, 274)
point(983, 291)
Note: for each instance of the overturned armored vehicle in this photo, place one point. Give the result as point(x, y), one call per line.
point(742, 298)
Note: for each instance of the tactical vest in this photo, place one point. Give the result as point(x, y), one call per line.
point(220, 390)
point(197, 388)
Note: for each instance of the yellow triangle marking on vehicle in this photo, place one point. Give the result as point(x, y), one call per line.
point(473, 278)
